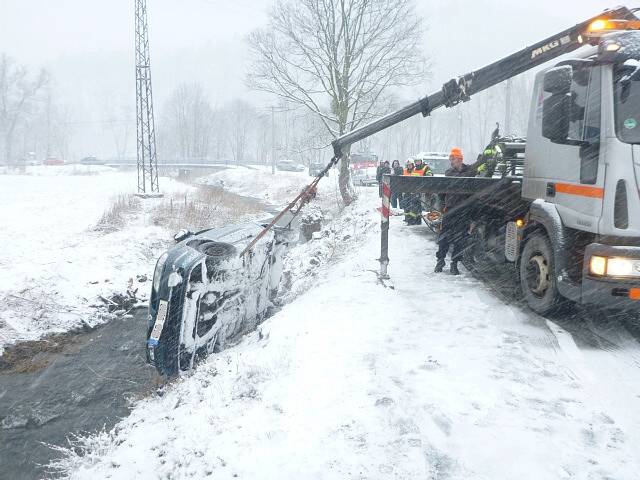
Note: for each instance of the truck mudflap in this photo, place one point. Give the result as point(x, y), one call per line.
point(611, 277)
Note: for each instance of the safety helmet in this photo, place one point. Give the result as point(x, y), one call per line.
point(456, 152)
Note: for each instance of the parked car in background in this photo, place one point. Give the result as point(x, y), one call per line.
point(363, 168)
point(30, 159)
point(437, 161)
point(92, 161)
point(203, 294)
point(289, 166)
point(53, 161)
point(315, 167)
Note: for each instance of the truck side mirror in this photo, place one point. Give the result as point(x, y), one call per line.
point(556, 113)
point(557, 81)
point(556, 109)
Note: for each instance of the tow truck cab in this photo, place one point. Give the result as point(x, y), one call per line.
point(582, 170)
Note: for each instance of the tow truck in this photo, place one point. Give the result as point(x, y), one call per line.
point(568, 220)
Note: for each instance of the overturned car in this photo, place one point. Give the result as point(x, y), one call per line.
point(204, 293)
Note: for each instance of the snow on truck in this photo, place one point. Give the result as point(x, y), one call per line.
point(568, 221)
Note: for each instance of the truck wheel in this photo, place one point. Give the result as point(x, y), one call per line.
point(537, 275)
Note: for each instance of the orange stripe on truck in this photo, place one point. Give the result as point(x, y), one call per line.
point(580, 190)
point(634, 294)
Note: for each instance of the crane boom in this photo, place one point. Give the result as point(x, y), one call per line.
point(460, 90)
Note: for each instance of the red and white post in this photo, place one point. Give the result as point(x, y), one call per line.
point(384, 226)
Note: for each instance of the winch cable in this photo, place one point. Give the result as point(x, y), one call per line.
point(302, 195)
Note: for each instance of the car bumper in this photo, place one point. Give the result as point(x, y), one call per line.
point(368, 182)
point(610, 292)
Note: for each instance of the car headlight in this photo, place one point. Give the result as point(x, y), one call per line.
point(614, 266)
point(157, 274)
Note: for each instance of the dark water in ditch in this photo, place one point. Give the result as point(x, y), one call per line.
point(84, 386)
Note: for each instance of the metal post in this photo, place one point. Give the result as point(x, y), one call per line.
point(384, 227)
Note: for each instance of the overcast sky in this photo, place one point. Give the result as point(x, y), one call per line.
point(88, 44)
point(471, 31)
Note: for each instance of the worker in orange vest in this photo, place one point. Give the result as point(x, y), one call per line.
point(421, 169)
point(406, 198)
point(413, 210)
point(408, 169)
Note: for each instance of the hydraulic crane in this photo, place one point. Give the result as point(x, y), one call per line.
point(460, 90)
point(570, 224)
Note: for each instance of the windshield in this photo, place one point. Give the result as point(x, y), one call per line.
point(438, 165)
point(627, 101)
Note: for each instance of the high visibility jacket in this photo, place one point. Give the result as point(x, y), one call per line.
point(422, 171)
point(407, 171)
point(489, 152)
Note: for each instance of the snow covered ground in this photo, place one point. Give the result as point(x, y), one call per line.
point(276, 189)
point(436, 378)
point(54, 263)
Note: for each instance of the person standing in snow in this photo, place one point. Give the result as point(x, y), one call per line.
point(406, 198)
point(457, 213)
point(396, 169)
point(414, 202)
point(383, 169)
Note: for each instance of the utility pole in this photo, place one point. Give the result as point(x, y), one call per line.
point(146, 134)
point(507, 109)
point(273, 141)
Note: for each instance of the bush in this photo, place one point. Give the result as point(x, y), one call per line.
point(207, 207)
point(114, 218)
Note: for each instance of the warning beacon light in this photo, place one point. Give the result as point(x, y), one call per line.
point(603, 25)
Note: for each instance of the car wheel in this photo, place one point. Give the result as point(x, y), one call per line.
point(216, 250)
point(538, 276)
point(216, 253)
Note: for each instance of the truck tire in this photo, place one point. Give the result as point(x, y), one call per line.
point(538, 276)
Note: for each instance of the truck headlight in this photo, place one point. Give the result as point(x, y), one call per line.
point(614, 266)
point(623, 267)
point(598, 265)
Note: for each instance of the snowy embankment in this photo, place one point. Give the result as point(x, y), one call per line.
point(55, 264)
point(276, 189)
point(436, 378)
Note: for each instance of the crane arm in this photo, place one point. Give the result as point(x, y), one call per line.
point(460, 90)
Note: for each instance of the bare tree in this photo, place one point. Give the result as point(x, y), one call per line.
point(241, 116)
point(18, 91)
point(188, 122)
point(338, 58)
